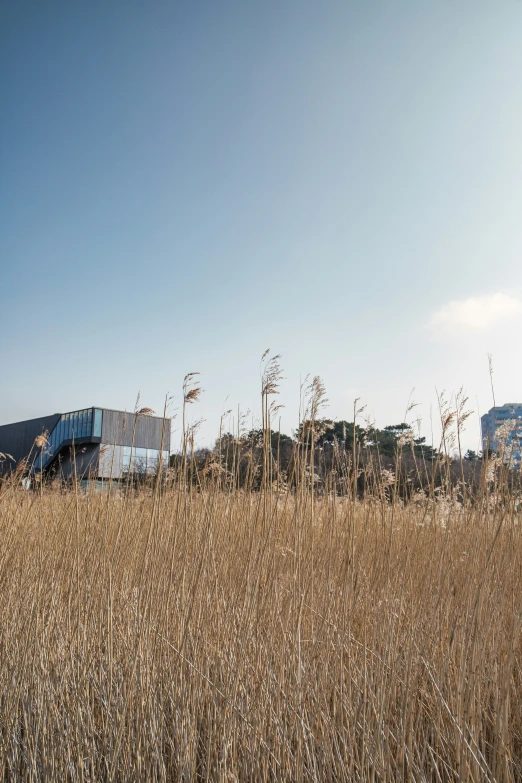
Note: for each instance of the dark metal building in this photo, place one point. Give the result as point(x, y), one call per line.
point(94, 442)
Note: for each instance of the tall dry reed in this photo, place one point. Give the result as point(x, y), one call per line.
point(233, 636)
point(198, 630)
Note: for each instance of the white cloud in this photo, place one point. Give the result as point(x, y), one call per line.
point(476, 314)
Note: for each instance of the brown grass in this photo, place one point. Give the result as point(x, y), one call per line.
point(187, 635)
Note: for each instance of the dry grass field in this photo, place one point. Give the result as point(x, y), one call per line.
point(177, 634)
point(219, 623)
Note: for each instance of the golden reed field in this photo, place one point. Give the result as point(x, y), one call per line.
point(208, 630)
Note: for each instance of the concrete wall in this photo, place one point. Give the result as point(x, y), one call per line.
point(17, 439)
point(118, 429)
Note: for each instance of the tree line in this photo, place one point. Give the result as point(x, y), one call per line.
point(334, 456)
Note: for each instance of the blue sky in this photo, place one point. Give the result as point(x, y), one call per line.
point(185, 184)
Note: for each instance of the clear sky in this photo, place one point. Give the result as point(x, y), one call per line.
point(185, 184)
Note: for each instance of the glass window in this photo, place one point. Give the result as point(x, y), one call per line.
point(97, 426)
point(140, 460)
point(152, 461)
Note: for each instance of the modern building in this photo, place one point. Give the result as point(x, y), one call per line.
point(95, 443)
point(502, 430)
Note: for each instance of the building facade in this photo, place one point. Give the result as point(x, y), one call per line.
point(96, 443)
point(502, 430)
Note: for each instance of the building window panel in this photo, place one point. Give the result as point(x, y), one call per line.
point(126, 461)
point(97, 425)
point(140, 460)
point(152, 461)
